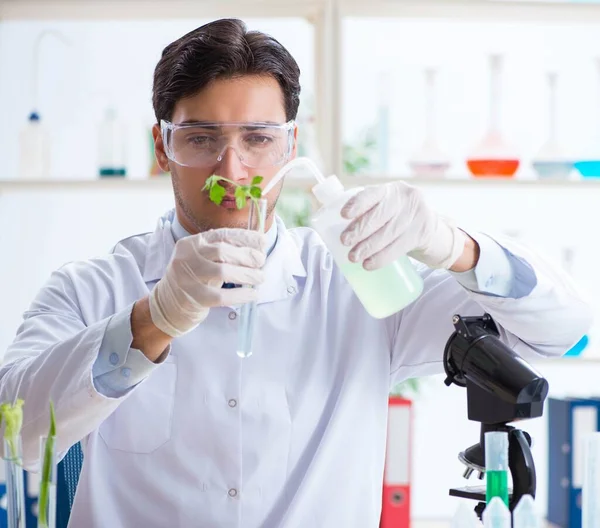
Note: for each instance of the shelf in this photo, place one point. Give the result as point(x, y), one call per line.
point(101, 183)
point(477, 10)
point(153, 9)
point(164, 182)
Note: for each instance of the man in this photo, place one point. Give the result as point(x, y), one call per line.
point(137, 349)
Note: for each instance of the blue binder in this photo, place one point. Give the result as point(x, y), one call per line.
point(570, 420)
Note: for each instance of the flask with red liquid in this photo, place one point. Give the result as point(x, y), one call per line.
point(493, 156)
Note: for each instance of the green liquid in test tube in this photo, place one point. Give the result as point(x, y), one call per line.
point(496, 466)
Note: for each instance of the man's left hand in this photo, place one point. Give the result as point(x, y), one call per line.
point(393, 219)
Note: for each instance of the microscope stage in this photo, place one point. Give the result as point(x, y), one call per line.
point(472, 492)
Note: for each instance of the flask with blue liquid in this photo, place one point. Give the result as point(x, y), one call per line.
point(581, 345)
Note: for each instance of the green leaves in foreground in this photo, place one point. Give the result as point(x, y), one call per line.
point(242, 193)
point(47, 471)
point(12, 414)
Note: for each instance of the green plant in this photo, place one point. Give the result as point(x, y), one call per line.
point(242, 193)
point(47, 471)
point(295, 208)
point(12, 414)
point(357, 157)
point(406, 389)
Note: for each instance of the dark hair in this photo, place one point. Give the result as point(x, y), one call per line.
point(221, 49)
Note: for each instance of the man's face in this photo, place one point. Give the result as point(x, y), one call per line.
point(247, 99)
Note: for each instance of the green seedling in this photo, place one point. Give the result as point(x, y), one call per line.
point(216, 192)
point(12, 414)
point(47, 472)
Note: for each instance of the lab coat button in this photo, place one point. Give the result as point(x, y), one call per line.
point(232, 492)
point(232, 403)
point(114, 358)
point(125, 372)
point(291, 290)
point(232, 315)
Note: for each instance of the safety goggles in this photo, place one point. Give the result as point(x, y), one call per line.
point(203, 145)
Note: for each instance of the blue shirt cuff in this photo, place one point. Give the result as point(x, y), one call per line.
point(498, 272)
point(118, 367)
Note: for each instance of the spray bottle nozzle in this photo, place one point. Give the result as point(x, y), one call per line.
point(295, 163)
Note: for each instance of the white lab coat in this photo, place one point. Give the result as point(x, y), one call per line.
point(292, 437)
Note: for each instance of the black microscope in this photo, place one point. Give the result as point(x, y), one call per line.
point(501, 388)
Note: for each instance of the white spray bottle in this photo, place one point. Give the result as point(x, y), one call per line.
point(382, 292)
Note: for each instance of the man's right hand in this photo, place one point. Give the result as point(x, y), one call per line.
point(193, 281)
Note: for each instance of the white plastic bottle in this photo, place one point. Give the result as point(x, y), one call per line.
point(34, 150)
point(382, 292)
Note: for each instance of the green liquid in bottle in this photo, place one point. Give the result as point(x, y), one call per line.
point(496, 485)
point(387, 290)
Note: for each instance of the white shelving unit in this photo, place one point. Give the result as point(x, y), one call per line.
point(303, 184)
point(325, 15)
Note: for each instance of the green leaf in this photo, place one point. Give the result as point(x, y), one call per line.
point(52, 431)
point(210, 181)
point(255, 192)
point(44, 495)
point(217, 193)
point(13, 418)
point(256, 180)
point(241, 194)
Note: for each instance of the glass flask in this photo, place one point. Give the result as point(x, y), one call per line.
point(429, 160)
point(494, 156)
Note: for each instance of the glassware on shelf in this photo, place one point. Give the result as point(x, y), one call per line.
point(589, 167)
point(111, 145)
point(494, 156)
point(429, 160)
point(383, 131)
point(550, 161)
point(34, 149)
point(568, 256)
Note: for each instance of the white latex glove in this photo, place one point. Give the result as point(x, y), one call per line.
point(193, 281)
point(392, 220)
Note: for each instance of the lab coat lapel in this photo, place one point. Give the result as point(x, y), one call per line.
point(282, 268)
point(159, 250)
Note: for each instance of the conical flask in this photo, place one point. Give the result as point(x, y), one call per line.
point(589, 167)
point(493, 156)
point(429, 160)
point(550, 161)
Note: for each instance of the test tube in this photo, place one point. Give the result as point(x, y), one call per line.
point(256, 221)
point(15, 490)
point(465, 517)
point(496, 466)
point(525, 514)
point(496, 514)
point(590, 505)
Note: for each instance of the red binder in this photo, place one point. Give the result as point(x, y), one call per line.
point(395, 511)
